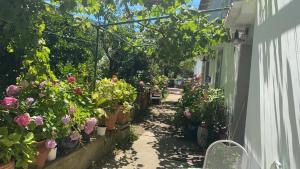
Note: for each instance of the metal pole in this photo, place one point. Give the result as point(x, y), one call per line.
point(96, 59)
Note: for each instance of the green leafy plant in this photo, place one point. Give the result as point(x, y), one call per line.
point(201, 104)
point(109, 94)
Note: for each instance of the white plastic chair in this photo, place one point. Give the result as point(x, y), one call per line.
point(226, 154)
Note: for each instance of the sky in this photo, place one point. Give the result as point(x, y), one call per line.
point(195, 3)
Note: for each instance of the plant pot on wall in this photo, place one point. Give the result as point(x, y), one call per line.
point(9, 165)
point(67, 145)
point(101, 131)
point(123, 118)
point(110, 121)
point(52, 154)
point(43, 152)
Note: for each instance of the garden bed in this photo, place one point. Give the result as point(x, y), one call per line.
point(84, 156)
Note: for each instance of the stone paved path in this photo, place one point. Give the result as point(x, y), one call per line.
point(160, 145)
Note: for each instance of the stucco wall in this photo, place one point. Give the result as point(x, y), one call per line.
point(273, 114)
point(229, 73)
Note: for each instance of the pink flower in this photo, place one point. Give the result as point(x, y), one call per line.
point(71, 79)
point(78, 90)
point(50, 144)
point(66, 119)
point(88, 130)
point(142, 83)
point(91, 122)
point(29, 101)
point(12, 90)
point(188, 114)
point(38, 120)
point(42, 84)
point(23, 120)
point(72, 110)
point(10, 103)
point(75, 135)
point(90, 125)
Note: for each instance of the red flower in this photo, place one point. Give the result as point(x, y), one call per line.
point(78, 90)
point(71, 79)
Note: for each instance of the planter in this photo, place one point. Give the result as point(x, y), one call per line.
point(52, 154)
point(85, 137)
point(43, 152)
point(66, 145)
point(110, 121)
point(202, 134)
point(123, 118)
point(190, 132)
point(9, 165)
point(101, 131)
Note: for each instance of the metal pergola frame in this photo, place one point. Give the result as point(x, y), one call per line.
point(103, 26)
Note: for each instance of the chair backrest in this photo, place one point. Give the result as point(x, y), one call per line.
point(226, 154)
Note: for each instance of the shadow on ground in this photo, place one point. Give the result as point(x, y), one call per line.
point(169, 147)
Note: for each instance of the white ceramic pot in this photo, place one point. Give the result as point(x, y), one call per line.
point(52, 154)
point(101, 131)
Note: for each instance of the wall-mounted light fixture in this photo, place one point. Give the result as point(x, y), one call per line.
point(240, 36)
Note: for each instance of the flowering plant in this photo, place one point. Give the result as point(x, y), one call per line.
point(16, 140)
point(201, 104)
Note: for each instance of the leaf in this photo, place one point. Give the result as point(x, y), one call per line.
point(14, 138)
point(29, 137)
point(3, 132)
point(6, 142)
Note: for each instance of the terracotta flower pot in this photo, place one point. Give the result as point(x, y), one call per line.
point(9, 165)
point(123, 118)
point(42, 156)
point(110, 121)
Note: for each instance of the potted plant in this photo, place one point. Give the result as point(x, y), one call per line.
point(104, 96)
point(16, 141)
point(101, 128)
point(125, 95)
point(47, 104)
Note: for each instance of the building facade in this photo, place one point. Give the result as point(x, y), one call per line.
point(260, 74)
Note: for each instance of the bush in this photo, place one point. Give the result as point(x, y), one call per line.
point(200, 105)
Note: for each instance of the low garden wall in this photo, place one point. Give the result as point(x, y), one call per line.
point(83, 157)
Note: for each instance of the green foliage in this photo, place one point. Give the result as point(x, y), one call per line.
point(201, 105)
point(16, 142)
point(109, 94)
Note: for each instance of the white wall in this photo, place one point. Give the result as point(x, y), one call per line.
point(273, 114)
point(198, 67)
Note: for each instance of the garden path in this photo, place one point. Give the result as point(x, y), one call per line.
point(159, 145)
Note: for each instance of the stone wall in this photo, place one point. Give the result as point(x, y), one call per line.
point(83, 157)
